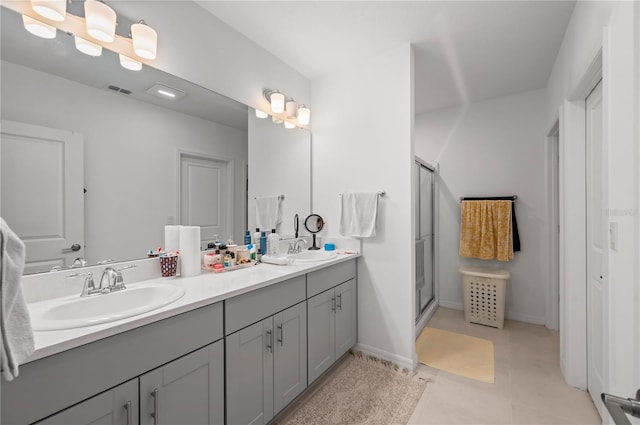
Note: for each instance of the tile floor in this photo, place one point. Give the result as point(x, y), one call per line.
point(529, 387)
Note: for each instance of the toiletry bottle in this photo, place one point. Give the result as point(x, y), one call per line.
point(247, 238)
point(255, 239)
point(252, 252)
point(227, 260)
point(273, 242)
point(263, 243)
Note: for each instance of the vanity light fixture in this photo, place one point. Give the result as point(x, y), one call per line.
point(165, 92)
point(38, 28)
point(55, 10)
point(277, 120)
point(304, 115)
point(261, 114)
point(145, 40)
point(87, 47)
point(290, 107)
point(100, 20)
point(289, 125)
point(276, 99)
point(130, 64)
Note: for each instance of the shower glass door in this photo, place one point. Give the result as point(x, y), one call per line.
point(424, 237)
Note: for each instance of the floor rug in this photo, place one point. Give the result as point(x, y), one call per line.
point(362, 390)
point(456, 353)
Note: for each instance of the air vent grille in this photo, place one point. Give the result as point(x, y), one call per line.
point(119, 89)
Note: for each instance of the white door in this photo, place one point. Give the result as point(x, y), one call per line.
point(205, 196)
point(42, 192)
point(595, 244)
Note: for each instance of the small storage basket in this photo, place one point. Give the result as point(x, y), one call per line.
point(484, 295)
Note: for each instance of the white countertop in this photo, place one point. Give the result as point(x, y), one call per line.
point(204, 289)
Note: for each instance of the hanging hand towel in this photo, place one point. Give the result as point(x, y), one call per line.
point(486, 231)
point(268, 212)
point(15, 324)
point(359, 214)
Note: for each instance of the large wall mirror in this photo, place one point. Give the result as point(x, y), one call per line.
point(95, 162)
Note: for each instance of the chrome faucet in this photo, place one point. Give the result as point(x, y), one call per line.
point(294, 247)
point(114, 279)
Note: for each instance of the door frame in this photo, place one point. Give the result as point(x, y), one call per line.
point(552, 177)
point(572, 236)
point(230, 185)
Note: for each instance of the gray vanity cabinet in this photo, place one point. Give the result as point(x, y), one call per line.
point(266, 366)
point(332, 326)
point(189, 390)
point(118, 406)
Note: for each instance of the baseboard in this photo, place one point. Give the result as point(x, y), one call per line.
point(536, 320)
point(401, 361)
point(451, 304)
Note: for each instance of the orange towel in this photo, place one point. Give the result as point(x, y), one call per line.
point(485, 230)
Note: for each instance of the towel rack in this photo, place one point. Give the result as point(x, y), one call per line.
point(512, 198)
point(382, 193)
point(280, 197)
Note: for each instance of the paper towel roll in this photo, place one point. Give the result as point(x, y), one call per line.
point(171, 238)
point(189, 251)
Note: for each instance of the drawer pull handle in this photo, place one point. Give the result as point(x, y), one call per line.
point(127, 407)
point(333, 303)
point(270, 340)
point(281, 339)
point(154, 415)
point(340, 302)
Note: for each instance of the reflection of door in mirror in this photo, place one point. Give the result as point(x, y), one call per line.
point(42, 201)
point(206, 196)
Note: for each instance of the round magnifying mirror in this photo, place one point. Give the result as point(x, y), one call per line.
point(314, 223)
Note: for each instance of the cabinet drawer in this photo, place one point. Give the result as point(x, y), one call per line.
point(63, 379)
point(245, 309)
point(321, 280)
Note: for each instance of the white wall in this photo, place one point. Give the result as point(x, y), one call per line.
point(612, 27)
point(279, 164)
point(198, 47)
point(362, 142)
point(131, 151)
point(492, 148)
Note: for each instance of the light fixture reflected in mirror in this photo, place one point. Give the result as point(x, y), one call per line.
point(87, 47)
point(100, 20)
point(289, 125)
point(277, 120)
point(261, 114)
point(38, 28)
point(130, 64)
point(145, 40)
point(55, 10)
point(304, 115)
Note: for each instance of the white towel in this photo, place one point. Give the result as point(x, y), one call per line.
point(268, 212)
point(358, 215)
point(17, 335)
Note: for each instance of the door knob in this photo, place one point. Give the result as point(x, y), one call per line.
point(74, 247)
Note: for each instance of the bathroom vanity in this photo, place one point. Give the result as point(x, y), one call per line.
point(236, 349)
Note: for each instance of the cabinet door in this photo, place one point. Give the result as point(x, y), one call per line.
point(250, 374)
point(321, 333)
point(346, 317)
point(290, 355)
point(117, 406)
point(189, 390)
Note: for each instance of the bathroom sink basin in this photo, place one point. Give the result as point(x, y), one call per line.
point(312, 256)
point(77, 312)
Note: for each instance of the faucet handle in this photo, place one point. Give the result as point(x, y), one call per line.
point(89, 287)
point(119, 280)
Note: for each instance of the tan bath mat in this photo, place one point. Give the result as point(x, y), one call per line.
point(463, 355)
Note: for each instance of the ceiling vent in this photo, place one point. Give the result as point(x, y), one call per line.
point(118, 89)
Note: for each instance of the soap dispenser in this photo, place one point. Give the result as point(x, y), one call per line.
point(273, 243)
point(263, 243)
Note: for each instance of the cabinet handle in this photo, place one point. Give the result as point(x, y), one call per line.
point(333, 303)
point(340, 302)
point(270, 341)
point(154, 415)
point(281, 340)
point(127, 407)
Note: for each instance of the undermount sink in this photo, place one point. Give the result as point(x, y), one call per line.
point(312, 256)
point(77, 312)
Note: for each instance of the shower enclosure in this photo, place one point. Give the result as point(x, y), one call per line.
point(424, 238)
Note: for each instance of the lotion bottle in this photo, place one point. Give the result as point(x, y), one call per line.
point(273, 242)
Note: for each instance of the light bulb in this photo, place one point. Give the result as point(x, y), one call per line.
point(38, 28)
point(304, 115)
point(101, 20)
point(145, 40)
point(290, 107)
point(261, 114)
point(130, 64)
point(55, 10)
point(277, 103)
point(87, 47)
